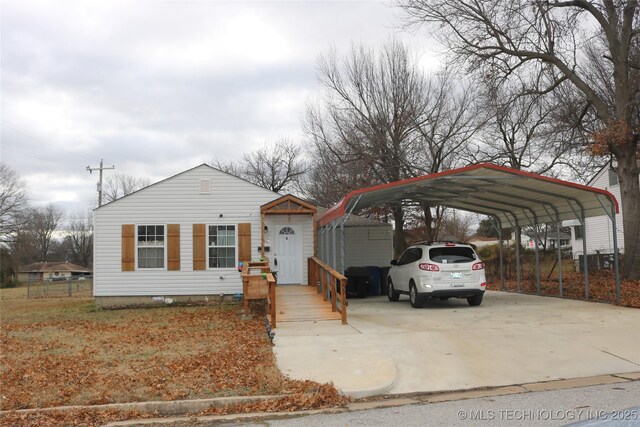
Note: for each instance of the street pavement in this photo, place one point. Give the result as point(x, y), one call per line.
point(619, 403)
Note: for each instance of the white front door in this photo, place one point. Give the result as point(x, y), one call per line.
point(289, 254)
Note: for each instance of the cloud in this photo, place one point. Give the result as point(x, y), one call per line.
point(158, 87)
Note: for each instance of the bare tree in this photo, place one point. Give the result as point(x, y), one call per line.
point(445, 129)
point(278, 167)
point(382, 120)
point(35, 238)
point(369, 117)
point(457, 225)
point(43, 222)
point(79, 239)
point(553, 40)
point(119, 185)
point(13, 202)
point(524, 132)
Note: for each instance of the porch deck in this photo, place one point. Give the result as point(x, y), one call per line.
point(302, 304)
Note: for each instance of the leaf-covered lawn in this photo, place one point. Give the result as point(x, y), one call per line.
point(65, 352)
point(602, 287)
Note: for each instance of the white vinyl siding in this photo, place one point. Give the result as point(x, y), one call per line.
point(176, 200)
point(599, 230)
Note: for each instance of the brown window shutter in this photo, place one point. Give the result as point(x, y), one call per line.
point(173, 247)
point(244, 242)
point(128, 247)
point(199, 247)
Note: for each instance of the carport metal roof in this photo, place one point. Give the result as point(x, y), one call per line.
point(512, 196)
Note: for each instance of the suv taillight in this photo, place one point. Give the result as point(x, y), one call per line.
point(428, 267)
point(478, 266)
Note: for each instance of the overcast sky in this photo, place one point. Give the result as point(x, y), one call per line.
point(157, 87)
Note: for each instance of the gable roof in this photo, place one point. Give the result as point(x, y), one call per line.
point(288, 204)
point(41, 267)
point(203, 165)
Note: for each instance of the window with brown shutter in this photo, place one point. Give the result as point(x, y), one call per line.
point(199, 247)
point(173, 247)
point(244, 242)
point(128, 247)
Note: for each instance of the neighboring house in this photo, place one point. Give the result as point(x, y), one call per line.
point(50, 271)
point(184, 237)
point(481, 241)
point(565, 239)
point(599, 229)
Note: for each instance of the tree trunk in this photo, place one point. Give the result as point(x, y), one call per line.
point(428, 227)
point(399, 243)
point(630, 200)
point(518, 234)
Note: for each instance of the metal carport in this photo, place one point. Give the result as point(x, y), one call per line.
point(512, 197)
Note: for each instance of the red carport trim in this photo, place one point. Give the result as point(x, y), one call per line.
point(338, 210)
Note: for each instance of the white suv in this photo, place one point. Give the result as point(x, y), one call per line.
point(437, 270)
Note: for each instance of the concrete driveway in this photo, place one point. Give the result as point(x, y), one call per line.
point(448, 345)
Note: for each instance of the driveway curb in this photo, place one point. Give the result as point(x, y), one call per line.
point(177, 411)
point(169, 408)
point(398, 400)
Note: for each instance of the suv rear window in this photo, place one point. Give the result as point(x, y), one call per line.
point(447, 255)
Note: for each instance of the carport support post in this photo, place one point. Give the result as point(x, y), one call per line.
point(333, 239)
point(320, 243)
point(558, 224)
point(615, 251)
point(501, 254)
point(327, 247)
point(585, 266)
point(535, 226)
point(341, 245)
point(517, 235)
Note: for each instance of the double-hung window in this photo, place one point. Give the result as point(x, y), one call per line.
point(151, 246)
point(222, 246)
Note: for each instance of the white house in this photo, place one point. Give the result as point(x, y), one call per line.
point(599, 229)
point(184, 238)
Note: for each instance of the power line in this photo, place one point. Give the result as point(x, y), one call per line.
point(42, 139)
point(101, 168)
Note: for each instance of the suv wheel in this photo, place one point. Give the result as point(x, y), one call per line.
point(391, 292)
point(416, 301)
point(475, 300)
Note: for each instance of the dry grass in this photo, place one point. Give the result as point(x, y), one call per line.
point(601, 287)
point(64, 351)
point(78, 288)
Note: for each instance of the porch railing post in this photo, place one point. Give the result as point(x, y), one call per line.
point(343, 300)
point(334, 297)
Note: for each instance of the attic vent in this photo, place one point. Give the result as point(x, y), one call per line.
point(205, 186)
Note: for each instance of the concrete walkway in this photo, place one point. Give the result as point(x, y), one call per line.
point(448, 345)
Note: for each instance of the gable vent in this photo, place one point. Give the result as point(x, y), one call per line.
point(205, 186)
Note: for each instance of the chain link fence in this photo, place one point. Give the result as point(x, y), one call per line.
point(57, 289)
point(600, 265)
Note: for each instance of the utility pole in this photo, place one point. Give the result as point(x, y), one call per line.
point(101, 168)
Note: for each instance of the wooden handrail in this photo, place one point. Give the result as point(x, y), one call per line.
point(325, 278)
